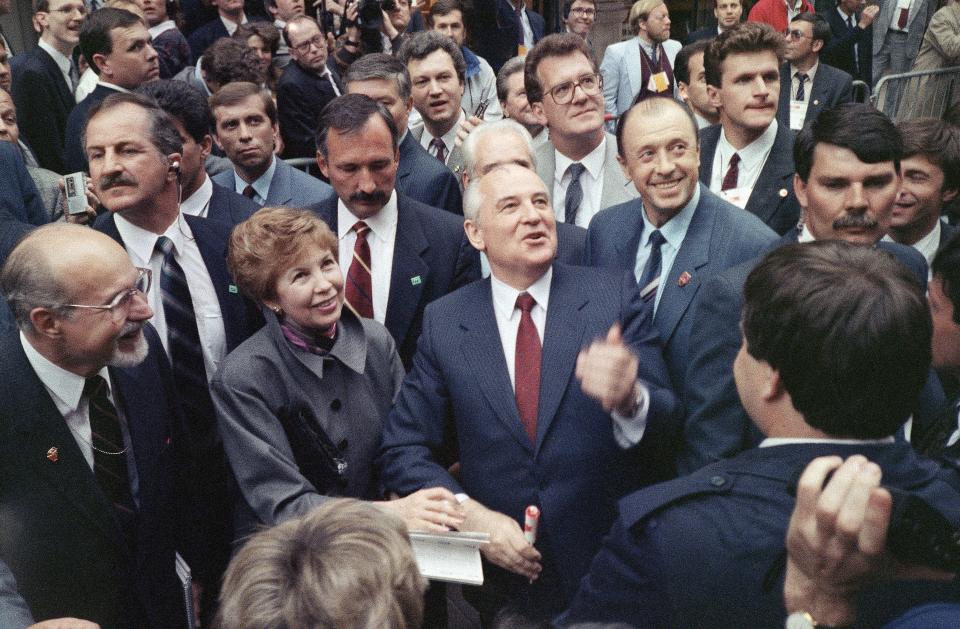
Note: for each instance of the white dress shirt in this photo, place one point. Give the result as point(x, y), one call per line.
point(752, 159)
point(525, 23)
point(626, 430)
point(140, 245)
point(927, 245)
point(591, 181)
point(162, 27)
point(66, 391)
point(198, 203)
point(770, 442)
point(895, 18)
point(381, 239)
point(261, 186)
point(232, 26)
point(449, 138)
point(63, 62)
point(88, 82)
point(674, 231)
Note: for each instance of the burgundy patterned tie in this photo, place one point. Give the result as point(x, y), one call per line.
point(359, 291)
point(439, 149)
point(733, 174)
point(249, 192)
point(527, 367)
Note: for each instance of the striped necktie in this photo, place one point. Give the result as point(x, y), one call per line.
point(359, 291)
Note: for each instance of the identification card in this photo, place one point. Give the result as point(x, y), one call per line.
point(659, 82)
point(798, 112)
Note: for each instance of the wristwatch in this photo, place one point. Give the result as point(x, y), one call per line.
point(803, 620)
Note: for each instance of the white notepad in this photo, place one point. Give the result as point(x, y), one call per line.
point(453, 556)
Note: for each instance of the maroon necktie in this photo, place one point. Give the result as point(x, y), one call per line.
point(440, 149)
point(359, 292)
point(733, 174)
point(249, 192)
point(902, 18)
point(527, 367)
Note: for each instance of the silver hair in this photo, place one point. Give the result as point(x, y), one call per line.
point(472, 200)
point(28, 281)
point(505, 125)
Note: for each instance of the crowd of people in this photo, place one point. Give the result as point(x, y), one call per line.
point(328, 279)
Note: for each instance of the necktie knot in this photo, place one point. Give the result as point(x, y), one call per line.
point(361, 229)
point(734, 160)
point(656, 239)
point(439, 149)
point(526, 302)
point(731, 179)
point(164, 245)
point(576, 169)
point(92, 386)
point(802, 77)
point(249, 192)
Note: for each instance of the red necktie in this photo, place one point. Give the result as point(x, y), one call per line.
point(902, 19)
point(527, 367)
point(249, 192)
point(733, 174)
point(440, 149)
point(359, 292)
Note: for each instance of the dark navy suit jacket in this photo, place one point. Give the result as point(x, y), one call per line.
point(421, 176)
point(301, 96)
point(708, 32)
point(495, 30)
point(707, 550)
point(201, 38)
point(226, 206)
point(575, 472)
point(431, 257)
point(840, 51)
point(772, 199)
point(717, 426)
point(720, 235)
point(74, 156)
point(831, 87)
point(43, 103)
point(60, 536)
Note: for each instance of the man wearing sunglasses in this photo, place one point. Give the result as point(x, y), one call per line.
point(807, 86)
point(307, 85)
point(579, 163)
point(94, 465)
point(134, 151)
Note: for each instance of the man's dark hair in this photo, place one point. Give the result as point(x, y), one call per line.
point(446, 7)
point(381, 66)
point(264, 30)
point(568, 4)
point(183, 102)
point(229, 60)
point(421, 45)
point(946, 268)
point(236, 93)
point(866, 132)
point(556, 45)
point(681, 65)
point(848, 330)
point(349, 114)
point(937, 141)
point(95, 33)
point(745, 37)
point(511, 67)
point(654, 105)
point(163, 133)
point(821, 28)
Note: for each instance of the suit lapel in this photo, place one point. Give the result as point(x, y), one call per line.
point(765, 199)
point(483, 352)
point(709, 138)
point(280, 192)
point(615, 185)
point(546, 166)
point(693, 255)
point(406, 162)
point(57, 77)
point(632, 61)
point(43, 428)
point(563, 335)
point(786, 85)
point(455, 162)
point(409, 275)
point(629, 235)
point(213, 250)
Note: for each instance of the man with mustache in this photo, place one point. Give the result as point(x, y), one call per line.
point(95, 466)
point(135, 150)
point(847, 179)
point(746, 158)
point(397, 253)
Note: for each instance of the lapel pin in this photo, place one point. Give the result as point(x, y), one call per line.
point(53, 455)
point(232, 288)
point(683, 280)
point(415, 280)
point(816, 102)
point(783, 193)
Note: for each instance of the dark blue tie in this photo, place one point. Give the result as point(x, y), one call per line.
point(571, 204)
point(651, 271)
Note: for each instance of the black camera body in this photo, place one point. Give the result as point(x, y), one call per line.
point(370, 13)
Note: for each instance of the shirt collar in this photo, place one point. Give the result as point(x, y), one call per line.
point(162, 27)
point(113, 87)
point(811, 73)
point(505, 296)
point(805, 235)
point(674, 230)
point(756, 150)
point(141, 242)
point(383, 224)
point(593, 161)
point(845, 16)
point(63, 384)
point(199, 201)
point(450, 137)
point(927, 245)
point(231, 26)
point(785, 441)
point(63, 62)
point(261, 185)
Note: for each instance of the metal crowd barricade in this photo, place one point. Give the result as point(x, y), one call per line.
point(861, 91)
point(927, 93)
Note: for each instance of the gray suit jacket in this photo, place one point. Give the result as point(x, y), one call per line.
point(920, 13)
point(454, 161)
point(14, 613)
point(289, 186)
point(616, 187)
